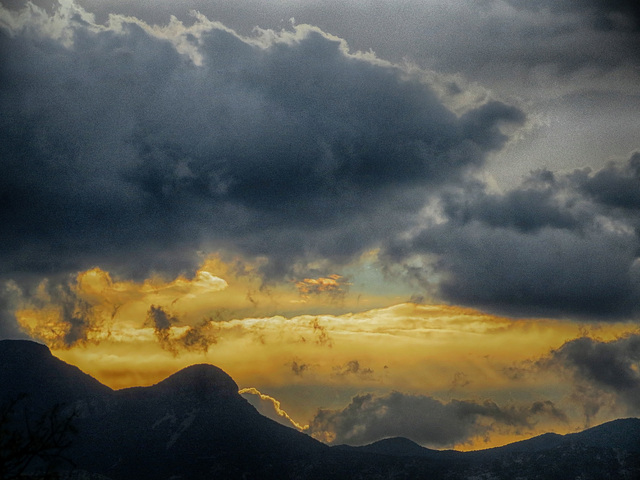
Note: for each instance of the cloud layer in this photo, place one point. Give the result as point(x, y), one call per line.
point(141, 149)
point(124, 149)
point(559, 244)
point(603, 372)
point(422, 419)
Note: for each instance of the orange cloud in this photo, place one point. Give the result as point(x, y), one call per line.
point(129, 333)
point(333, 285)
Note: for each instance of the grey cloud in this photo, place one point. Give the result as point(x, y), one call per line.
point(557, 245)
point(74, 320)
point(534, 206)
point(604, 14)
point(77, 314)
point(10, 296)
point(423, 419)
point(161, 321)
point(120, 152)
point(615, 185)
point(352, 367)
point(197, 337)
point(564, 37)
point(48, 5)
point(610, 367)
point(461, 36)
point(551, 53)
point(599, 375)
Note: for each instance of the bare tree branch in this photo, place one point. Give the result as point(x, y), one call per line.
point(32, 444)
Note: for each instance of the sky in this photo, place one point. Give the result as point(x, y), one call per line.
point(381, 218)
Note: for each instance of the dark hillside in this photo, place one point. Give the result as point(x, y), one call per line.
point(194, 425)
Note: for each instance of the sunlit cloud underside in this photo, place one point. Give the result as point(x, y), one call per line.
point(129, 333)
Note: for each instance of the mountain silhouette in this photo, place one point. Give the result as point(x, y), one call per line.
point(203, 381)
point(397, 446)
point(29, 368)
point(194, 425)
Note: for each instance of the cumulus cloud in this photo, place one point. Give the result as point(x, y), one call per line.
point(423, 419)
point(599, 370)
point(559, 244)
point(467, 36)
point(602, 377)
point(131, 147)
point(617, 185)
point(138, 147)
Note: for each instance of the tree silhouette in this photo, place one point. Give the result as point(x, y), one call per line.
point(31, 444)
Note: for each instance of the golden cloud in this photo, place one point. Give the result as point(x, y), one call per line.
point(129, 333)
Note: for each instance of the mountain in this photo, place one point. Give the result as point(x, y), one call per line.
point(399, 446)
point(29, 368)
point(608, 451)
point(403, 447)
point(622, 434)
point(194, 425)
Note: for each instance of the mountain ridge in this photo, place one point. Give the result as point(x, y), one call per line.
point(204, 379)
point(195, 425)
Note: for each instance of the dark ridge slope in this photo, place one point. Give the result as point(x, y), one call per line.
point(29, 368)
point(195, 426)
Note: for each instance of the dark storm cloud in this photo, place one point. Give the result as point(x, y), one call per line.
point(600, 375)
point(557, 245)
point(422, 419)
point(526, 210)
point(121, 152)
point(615, 185)
point(611, 367)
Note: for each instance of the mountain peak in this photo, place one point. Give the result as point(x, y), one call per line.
point(398, 446)
point(203, 379)
point(23, 348)
point(28, 367)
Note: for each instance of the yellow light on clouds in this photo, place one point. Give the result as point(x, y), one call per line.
point(257, 337)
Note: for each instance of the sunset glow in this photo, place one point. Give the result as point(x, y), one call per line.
point(428, 232)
